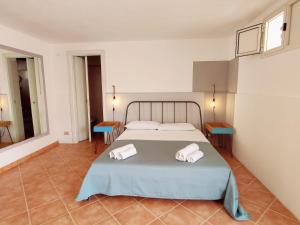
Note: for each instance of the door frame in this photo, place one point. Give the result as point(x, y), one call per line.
point(72, 89)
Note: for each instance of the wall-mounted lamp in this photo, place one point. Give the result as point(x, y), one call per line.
point(114, 101)
point(3, 102)
point(213, 103)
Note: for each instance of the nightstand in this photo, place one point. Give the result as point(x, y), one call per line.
point(221, 133)
point(111, 128)
point(6, 124)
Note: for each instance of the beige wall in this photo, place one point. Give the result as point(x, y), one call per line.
point(267, 120)
point(208, 73)
point(233, 69)
point(224, 74)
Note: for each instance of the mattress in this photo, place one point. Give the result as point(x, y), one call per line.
point(154, 172)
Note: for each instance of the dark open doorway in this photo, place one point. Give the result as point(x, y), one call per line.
point(95, 93)
point(25, 97)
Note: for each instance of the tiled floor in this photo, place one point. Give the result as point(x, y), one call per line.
point(42, 191)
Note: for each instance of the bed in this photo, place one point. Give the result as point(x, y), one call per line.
point(154, 172)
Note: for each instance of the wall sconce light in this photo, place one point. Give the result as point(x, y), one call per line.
point(213, 103)
point(114, 101)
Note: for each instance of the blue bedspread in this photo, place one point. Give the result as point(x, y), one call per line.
point(154, 172)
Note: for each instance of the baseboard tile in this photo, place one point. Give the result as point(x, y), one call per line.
point(30, 156)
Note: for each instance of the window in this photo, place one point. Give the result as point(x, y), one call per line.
point(280, 31)
point(274, 32)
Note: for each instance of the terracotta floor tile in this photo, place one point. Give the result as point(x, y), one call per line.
point(63, 178)
point(9, 175)
point(35, 199)
point(259, 197)
point(253, 209)
point(9, 193)
point(12, 208)
point(56, 162)
point(181, 216)
point(203, 208)
point(273, 218)
point(206, 223)
point(63, 220)
point(59, 170)
point(158, 206)
point(233, 162)
point(134, 215)
point(47, 212)
point(109, 221)
point(90, 214)
point(21, 219)
point(258, 186)
point(64, 167)
point(243, 175)
point(34, 179)
point(68, 187)
point(31, 164)
point(157, 222)
point(223, 218)
point(37, 186)
point(71, 203)
point(81, 172)
point(279, 207)
point(33, 171)
point(117, 203)
point(243, 180)
point(7, 182)
point(242, 187)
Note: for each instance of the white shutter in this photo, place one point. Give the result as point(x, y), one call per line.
point(249, 40)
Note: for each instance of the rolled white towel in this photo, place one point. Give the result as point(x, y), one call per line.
point(195, 156)
point(127, 153)
point(113, 154)
point(182, 154)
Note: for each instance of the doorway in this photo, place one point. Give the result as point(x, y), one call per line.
point(25, 97)
point(22, 84)
point(89, 97)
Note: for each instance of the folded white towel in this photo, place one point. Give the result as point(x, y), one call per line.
point(195, 156)
point(182, 154)
point(113, 154)
point(127, 153)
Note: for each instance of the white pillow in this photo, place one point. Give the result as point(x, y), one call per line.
point(176, 126)
point(142, 125)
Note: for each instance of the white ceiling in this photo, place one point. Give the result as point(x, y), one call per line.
point(107, 20)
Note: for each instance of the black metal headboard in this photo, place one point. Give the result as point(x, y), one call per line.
point(162, 109)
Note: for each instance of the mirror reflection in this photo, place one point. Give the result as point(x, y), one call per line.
point(22, 97)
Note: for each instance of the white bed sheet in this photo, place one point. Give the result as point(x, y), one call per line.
point(195, 135)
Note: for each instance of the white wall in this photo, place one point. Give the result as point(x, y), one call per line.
point(152, 66)
point(136, 67)
point(266, 119)
point(21, 41)
point(266, 113)
point(267, 122)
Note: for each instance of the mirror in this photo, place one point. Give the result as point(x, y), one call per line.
point(23, 113)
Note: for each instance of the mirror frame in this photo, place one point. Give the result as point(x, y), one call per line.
point(46, 104)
